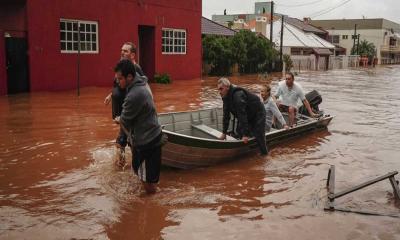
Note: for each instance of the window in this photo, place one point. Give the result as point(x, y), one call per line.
point(173, 41)
point(345, 37)
point(70, 36)
point(334, 39)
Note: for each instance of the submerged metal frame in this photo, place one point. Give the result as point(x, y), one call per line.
point(330, 184)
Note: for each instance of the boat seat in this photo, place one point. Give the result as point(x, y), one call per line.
point(210, 131)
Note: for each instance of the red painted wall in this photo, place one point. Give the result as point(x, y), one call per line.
point(118, 22)
point(13, 19)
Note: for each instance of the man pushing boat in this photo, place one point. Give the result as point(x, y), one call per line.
point(249, 111)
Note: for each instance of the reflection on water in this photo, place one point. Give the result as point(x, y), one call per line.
point(57, 179)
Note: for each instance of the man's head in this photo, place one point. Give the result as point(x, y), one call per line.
point(223, 86)
point(128, 51)
point(289, 79)
point(266, 92)
point(124, 72)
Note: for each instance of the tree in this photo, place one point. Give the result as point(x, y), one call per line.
point(252, 52)
point(365, 49)
point(217, 52)
point(288, 62)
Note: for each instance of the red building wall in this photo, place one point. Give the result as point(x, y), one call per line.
point(118, 22)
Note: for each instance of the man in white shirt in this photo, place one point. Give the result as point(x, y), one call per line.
point(289, 93)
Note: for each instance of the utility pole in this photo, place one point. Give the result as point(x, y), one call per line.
point(79, 60)
point(281, 44)
point(271, 31)
point(272, 23)
point(358, 44)
point(354, 36)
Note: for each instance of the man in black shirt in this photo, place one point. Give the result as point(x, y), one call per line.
point(247, 108)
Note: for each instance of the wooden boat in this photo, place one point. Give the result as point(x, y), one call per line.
point(193, 138)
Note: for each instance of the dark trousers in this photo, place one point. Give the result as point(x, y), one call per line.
point(257, 128)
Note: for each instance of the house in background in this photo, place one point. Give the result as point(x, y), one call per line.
point(209, 27)
point(39, 41)
point(307, 50)
point(384, 34)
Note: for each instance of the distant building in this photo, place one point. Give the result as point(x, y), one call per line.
point(260, 9)
point(384, 34)
point(310, 51)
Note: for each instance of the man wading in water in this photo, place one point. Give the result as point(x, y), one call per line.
point(139, 119)
point(117, 96)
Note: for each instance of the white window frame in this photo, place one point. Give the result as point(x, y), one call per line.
point(171, 40)
point(79, 22)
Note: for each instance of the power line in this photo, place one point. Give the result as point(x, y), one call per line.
point(299, 5)
point(329, 9)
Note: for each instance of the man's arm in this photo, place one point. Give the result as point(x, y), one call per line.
point(107, 100)
point(130, 109)
point(308, 107)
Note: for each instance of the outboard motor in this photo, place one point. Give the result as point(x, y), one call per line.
point(315, 99)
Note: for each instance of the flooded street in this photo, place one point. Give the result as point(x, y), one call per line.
point(57, 179)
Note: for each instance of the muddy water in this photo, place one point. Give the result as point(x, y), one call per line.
point(57, 180)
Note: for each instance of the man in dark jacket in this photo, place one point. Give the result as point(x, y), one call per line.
point(247, 108)
point(139, 119)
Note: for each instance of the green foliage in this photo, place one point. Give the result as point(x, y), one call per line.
point(251, 52)
point(162, 78)
point(364, 49)
point(217, 52)
point(288, 62)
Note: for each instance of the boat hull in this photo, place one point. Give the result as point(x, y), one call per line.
point(186, 151)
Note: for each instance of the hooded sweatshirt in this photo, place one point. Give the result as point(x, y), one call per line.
point(139, 115)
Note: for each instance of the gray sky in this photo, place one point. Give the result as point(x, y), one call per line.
point(389, 9)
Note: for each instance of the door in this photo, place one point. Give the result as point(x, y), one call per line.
point(17, 65)
point(146, 50)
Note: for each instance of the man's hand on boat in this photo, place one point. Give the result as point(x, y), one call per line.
point(286, 127)
point(116, 119)
point(314, 115)
point(222, 137)
point(245, 139)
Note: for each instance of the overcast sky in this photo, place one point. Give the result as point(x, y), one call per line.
point(389, 9)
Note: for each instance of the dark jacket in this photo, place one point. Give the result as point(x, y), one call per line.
point(244, 106)
point(118, 94)
point(139, 116)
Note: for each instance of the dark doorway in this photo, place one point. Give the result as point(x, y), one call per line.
point(146, 50)
point(17, 65)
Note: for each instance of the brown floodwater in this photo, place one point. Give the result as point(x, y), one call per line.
point(57, 179)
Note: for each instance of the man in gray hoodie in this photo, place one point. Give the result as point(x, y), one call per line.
point(139, 119)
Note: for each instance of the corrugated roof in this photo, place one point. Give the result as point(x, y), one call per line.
point(209, 27)
point(303, 26)
point(294, 37)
